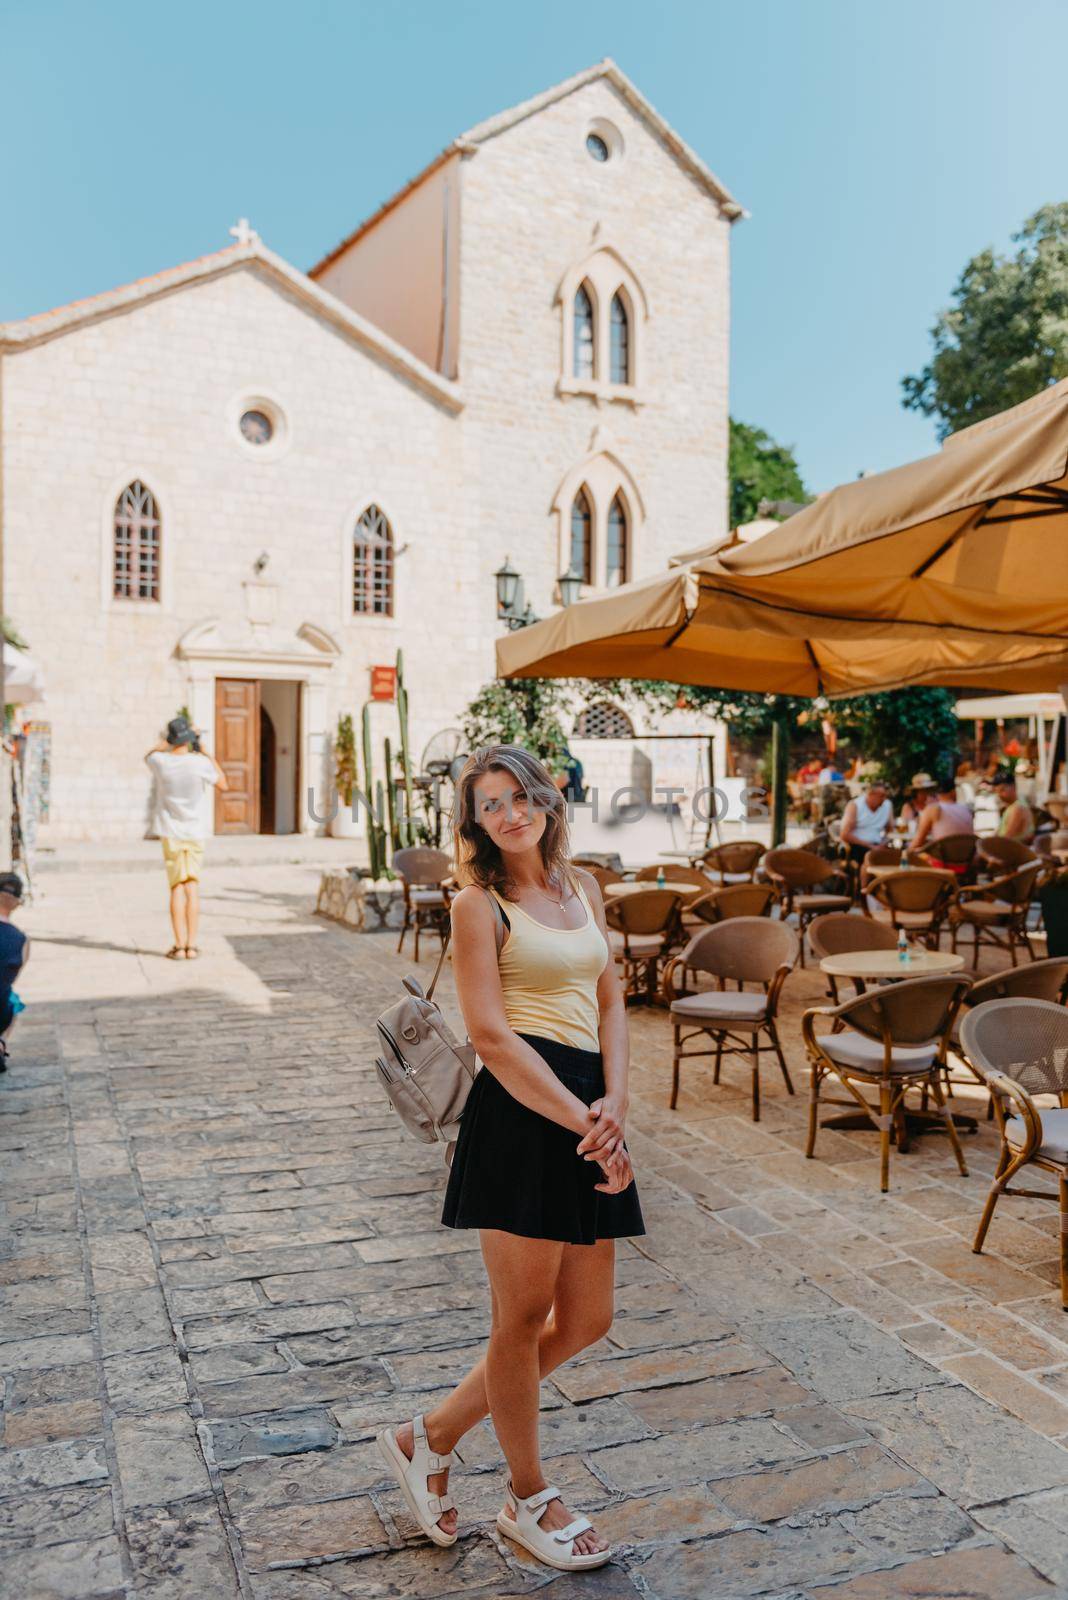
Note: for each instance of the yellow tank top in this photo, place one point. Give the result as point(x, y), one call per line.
point(549, 976)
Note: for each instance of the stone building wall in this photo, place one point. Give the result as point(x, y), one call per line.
point(154, 393)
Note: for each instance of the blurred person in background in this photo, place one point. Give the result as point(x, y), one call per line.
point(183, 771)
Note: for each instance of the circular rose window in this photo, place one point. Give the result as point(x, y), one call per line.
point(256, 427)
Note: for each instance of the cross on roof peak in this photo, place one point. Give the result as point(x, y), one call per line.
point(244, 232)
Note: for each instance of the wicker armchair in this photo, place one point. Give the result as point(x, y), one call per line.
point(1038, 980)
point(957, 853)
point(841, 933)
point(880, 855)
point(743, 950)
point(642, 928)
point(895, 1040)
point(735, 862)
point(735, 900)
point(916, 899)
point(1019, 1049)
point(797, 874)
point(604, 875)
point(997, 912)
point(998, 856)
point(423, 871)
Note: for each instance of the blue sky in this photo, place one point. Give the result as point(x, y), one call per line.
point(877, 147)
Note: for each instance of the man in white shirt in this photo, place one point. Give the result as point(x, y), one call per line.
point(182, 772)
point(867, 822)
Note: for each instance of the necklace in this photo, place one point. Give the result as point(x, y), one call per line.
point(545, 895)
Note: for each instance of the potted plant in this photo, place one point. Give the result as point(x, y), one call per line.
point(342, 825)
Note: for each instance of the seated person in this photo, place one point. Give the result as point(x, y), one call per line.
point(14, 953)
point(922, 794)
point(943, 816)
point(867, 822)
point(1017, 818)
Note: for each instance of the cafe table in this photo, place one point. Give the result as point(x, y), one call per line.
point(614, 891)
point(874, 966)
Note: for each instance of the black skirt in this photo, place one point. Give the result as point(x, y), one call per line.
point(516, 1170)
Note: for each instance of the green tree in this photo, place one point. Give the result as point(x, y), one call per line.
point(905, 730)
point(523, 711)
point(759, 469)
point(1005, 336)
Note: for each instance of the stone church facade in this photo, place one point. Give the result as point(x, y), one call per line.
point(236, 486)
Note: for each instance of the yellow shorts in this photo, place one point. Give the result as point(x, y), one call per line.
point(182, 858)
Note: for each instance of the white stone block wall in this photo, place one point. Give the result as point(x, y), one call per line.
point(152, 393)
point(155, 391)
point(531, 201)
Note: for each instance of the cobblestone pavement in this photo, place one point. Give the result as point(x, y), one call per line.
point(222, 1269)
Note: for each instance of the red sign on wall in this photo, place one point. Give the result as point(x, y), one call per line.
point(383, 683)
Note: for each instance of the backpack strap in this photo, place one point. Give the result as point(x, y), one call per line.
point(500, 930)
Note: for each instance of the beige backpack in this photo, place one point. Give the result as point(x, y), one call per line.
point(425, 1070)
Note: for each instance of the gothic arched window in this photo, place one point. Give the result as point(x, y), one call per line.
point(136, 565)
point(372, 565)
point(582, 537)
point(616, 552)
point(584, 333)
point(619, 335)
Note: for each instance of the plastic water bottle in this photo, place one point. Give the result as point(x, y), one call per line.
point(902, 945)
point(660, 879)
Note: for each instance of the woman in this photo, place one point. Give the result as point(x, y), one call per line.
point(540, 1167)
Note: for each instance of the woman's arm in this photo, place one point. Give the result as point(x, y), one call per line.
point(513, 1062)
point(605, 1138)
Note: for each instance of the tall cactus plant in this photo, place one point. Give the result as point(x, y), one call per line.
point(376, 832)
point(406, 761)
point(391, 799)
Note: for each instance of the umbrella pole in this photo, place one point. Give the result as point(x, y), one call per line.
point(780, 759)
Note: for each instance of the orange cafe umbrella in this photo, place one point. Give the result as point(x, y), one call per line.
point(973, 539)
point(951, 570)
point(688, 626)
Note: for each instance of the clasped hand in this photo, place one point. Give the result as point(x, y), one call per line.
point(604, 1144)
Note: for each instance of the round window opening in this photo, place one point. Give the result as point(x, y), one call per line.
point(256, 427)
point(597, 147)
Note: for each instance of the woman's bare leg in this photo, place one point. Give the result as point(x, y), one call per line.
point(192, 910)
point(178, 918)
point(580, 1314)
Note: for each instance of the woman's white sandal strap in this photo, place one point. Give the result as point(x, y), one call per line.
point(542, 1498)
point(573, 1529)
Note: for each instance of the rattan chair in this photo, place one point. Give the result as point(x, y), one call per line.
point(895, 1040)
point(997, 912)
point(841, 933)
point(880, 855)
point(735, 862)
point(734, 900)
point(1038, 980)
point(957, 853)
point(916, 899)
point(1019, 1048)
point(604, 875)
point(998, 856)
point(422, 870)
point(796, 875)
point(642, 929)
point(742, 950)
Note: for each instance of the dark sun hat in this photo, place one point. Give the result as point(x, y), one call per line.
point(180, 731)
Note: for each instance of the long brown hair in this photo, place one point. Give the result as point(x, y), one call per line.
point(478, 859)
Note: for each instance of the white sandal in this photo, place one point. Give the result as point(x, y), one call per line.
point(556, 1548)
point(412, 1477)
